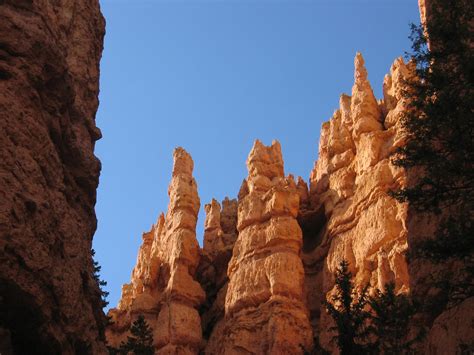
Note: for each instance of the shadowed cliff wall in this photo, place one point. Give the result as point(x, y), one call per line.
point(49, 84)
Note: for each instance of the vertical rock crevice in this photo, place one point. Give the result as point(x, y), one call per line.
point(220, 234)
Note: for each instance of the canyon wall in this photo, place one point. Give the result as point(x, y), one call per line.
point(49, 83)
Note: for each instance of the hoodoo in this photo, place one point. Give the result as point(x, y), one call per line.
point(268, 260)
point(163, 287)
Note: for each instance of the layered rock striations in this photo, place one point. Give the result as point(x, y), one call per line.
point(264, 304)
point(49, 83)
point(268, 260)
point(163, 286)
point(249, 267)
point(267, 267)
point(358, 220)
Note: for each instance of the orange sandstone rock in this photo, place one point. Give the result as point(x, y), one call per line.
point(264, 307)
point(220, 234)
point(358, 221)
point(163, 287)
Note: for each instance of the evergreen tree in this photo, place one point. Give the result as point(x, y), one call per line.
point(390, 321)
point(100, 283)
point(348, 309)
point(439, 153)
point(439, 118)
point(141, 341)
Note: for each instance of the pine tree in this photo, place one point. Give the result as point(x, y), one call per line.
point(141, 341)
point(390, 321)
point(100, 283)
point(439, 118)
point(348, 309)
point(439, 154)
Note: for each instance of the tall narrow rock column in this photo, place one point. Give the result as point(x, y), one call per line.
point(178, 329)
point(163, 286)
point(265, 313)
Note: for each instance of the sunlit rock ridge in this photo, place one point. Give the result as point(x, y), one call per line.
point(269, 257)
point(267, 264)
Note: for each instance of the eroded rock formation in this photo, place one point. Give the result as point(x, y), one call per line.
point(163, 286)
point(359, 221)
point(268, 260)
point(264, 305)
point(49, 82)
point(220, 234)
point(259, 296)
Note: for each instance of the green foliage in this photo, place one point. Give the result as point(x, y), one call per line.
point(141, 341)
point(378, 324)
point(439, 154)
point(390, 321)
point(348, 311)
point(439, 120)
point(100, 283)
point(455, 237)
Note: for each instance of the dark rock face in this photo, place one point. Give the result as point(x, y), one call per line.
point(49, 83)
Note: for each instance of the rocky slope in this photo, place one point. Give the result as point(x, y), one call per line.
point(49, 82)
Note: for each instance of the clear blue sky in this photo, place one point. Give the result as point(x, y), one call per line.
point(212, 76)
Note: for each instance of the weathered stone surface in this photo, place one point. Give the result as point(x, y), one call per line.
point(349, 185)
point(162, 287)
point(49, 83)
point(264, 308)
point(220, 234)
point(268, 261)
point(453, 331)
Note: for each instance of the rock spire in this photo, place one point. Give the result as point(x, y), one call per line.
point(163, 286)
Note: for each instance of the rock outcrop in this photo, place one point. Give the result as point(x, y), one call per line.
point(358, 221)
point(268, 260)
point(49, 83)
point(267, 267)
point(264, 304)
point(163, 287)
